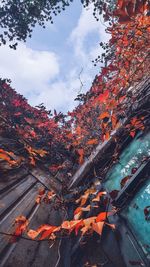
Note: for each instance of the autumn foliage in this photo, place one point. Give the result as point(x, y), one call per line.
point(52, 139)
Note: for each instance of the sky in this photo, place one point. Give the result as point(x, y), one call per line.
point(50, 66)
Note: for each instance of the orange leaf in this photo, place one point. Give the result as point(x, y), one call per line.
point(82, 209)
point(89, 221)
point(78, 226)
point(78, 215)
point(38, 199)
point(5, 156)
point(79, 210)
point(34, 233)
point(66, 225)
point(102, 216)
point(70, 225)
point(84, 199)
point(49, 232)
point(85, 229)
point(32, 161)
point(81, 155)
point(97, 198)
point(92, 142)
point(98, 227)
point(50, 195)
point(78, 130)
point(104, 115)
point(21, 225)
point(40, 152)
point(87, 224)
point(111, 225)
point(41, 191)
point(106, 136)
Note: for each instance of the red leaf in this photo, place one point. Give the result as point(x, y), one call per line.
point(21, 225)
point(78, 226)
point(132, 133)
point(41, 191)
point(114, 194)
point(124, 181)
point(147, 212)
point(103, 97)
point(48, 232)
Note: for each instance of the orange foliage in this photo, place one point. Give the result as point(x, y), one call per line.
point(85, 225)
point(103, 109)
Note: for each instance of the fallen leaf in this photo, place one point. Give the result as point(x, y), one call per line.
point(34, 233)
point(114, 194)
point(98, 227)
point(21, 225)
point(102, 216)
point(98, 197)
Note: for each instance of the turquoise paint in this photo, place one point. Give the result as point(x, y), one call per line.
point(134, 214)
point(130, 158)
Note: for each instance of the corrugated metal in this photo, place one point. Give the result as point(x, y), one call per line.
point(18, 191)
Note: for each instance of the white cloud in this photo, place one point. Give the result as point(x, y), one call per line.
point(60, 96)
point(36, 75)
point(28, 69)
point(86, 26)
point(40, 75)
point(85, 50)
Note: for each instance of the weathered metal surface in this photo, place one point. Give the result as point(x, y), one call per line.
point(23, 207)
point(12, 178)
point(47, 179)
point(15, 193)
point(31, 253)
point(18, 191)
point(129, 189)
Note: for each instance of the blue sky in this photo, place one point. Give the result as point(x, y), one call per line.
point(46, 68)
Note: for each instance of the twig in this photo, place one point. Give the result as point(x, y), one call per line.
point(29, 239)
point(56, 265)
point(81, 86)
